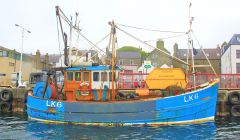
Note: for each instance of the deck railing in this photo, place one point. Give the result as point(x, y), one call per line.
point(137, 80)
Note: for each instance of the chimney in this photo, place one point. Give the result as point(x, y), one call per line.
point(175, 49)
point(37, 59)
point(160, 44)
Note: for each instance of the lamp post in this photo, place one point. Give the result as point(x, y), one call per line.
point(20, 70)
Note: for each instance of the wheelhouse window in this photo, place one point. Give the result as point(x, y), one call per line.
point(110, 76)
point(95, 76)
point(85, 76)
point(77, 76)
point(69, 76)
point(103, 76)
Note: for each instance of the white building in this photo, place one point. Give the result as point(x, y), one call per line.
point(230, 58)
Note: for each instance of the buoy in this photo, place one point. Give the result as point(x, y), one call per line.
point(234, 98)
point(38, 90)
point(5, 106)
point(235, 111)
point(6, 95)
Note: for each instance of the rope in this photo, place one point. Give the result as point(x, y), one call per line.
point(154, 30)
point(173, 57)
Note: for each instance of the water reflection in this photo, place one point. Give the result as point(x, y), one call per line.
point(13, 126)
point(63, 131)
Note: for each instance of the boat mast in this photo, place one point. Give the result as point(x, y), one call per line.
point(70, 44)
point(113, 62)
point(190, 43)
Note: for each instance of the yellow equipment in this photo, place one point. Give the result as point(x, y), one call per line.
point(161, 78)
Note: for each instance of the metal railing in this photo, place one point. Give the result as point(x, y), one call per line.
point(137, 80)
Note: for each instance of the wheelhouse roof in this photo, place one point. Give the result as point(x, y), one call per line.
point(92, 68)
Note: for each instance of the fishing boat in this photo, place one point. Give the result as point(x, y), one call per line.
point(91, 96)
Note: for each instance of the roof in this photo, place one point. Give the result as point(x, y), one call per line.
point(127, 55)
point(54, 58)
point(213, 53)
point(92, 68)
point(235, 40)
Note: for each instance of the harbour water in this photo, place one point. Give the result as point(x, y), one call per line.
point(17, 126)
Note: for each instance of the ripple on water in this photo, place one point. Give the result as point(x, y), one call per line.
point(15, 126)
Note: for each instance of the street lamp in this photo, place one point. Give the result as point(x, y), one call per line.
point(20, 70)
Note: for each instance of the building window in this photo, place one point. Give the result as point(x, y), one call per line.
point(120, 62)
point(96, 76)
point(69, 76)
point(5, 54)
point(238, 67)
point(11, 64)
point(131, 62)
point(78, 76)
point(103, 76)
point(237, 53)
point(1, 53)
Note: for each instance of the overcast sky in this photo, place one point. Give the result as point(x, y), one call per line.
point(215, 21)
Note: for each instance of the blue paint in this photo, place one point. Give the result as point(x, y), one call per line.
point(38, 89)
point(95, 94)
point(104, 96)
point(92, 68)
point(195, 105)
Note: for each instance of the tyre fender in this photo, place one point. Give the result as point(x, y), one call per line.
point(6, 95)
point(5, 106)
point(234, 98)
point(235, 110)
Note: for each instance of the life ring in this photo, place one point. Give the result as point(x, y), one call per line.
point(234, 98)
point(84, 84)
point(235, 111)
point(5, 106)
point(6, 95)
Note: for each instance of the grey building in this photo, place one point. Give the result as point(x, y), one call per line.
point(158, 58)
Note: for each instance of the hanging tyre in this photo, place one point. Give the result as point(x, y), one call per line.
point(234, 98)
point(235, 110)
point(6, 95)
point(5, 106)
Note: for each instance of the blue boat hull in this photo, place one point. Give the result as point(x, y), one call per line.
point(192, 107)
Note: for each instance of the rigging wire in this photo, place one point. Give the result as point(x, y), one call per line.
point(92, 48)
point(154, 30)
point(204, 54)
point(152, 46)
point(59, 44)
point(167, 37)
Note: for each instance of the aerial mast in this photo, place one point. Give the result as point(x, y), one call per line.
point(190, 44)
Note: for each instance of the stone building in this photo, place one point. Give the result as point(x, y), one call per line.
point(213, 55)
point(10, 62)
point(158, 58)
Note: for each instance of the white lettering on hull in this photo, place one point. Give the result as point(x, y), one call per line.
point(53, 104)
point(190, 98)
